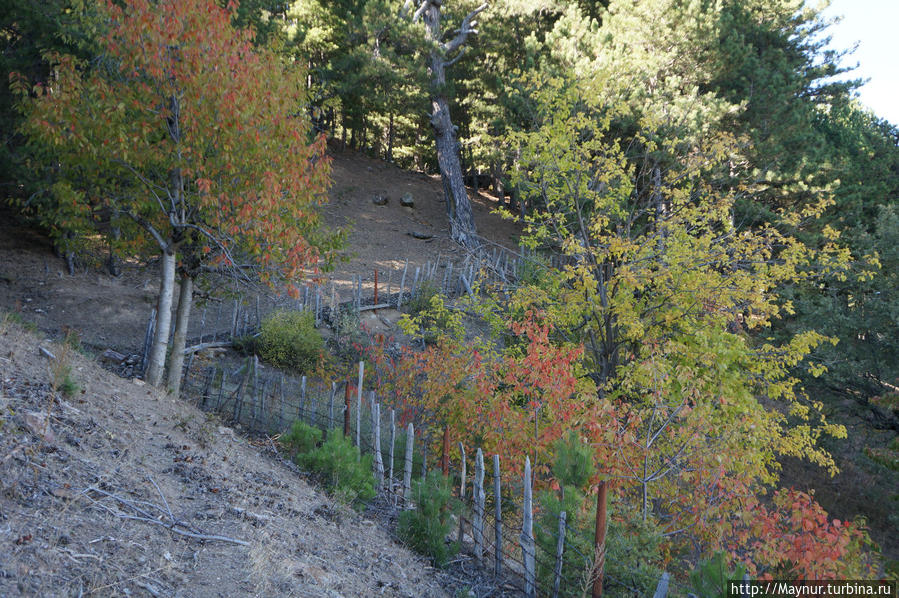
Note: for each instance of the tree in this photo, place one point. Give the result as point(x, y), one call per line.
point(198, 138)
point(458, 206)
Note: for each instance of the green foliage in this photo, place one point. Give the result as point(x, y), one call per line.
point(289, 340)
point(426, 527)
point(421, 299)
point(349, 338)
point(301, 439)
point(710, 578)
point(573, 464)
point(338, 465)
point(433, 320)
point(16, 318)
point(633, 546)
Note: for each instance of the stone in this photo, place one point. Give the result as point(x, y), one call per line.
point(407, 201)
point(380, 200)
point(39, 426)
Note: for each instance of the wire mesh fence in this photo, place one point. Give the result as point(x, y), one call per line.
point(503, 540)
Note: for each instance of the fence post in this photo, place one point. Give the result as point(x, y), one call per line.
point(407, 473)
point(498, 519)
point(255, 396)
point(281, 402)
point(301, 409)
point(527, 535)
point(346, 410)
point(462, 494)
point(148, 340)
point(479, 498)
point(376, 443)
point(600, 539)
point(445, 459)
point(331, 406)
point(392, 443)
point(399, 299)
point(359, 405)
point(662, 588)
point(560, 551)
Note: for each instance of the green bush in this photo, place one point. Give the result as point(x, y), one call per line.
point(290, 341)
point(425, 528)
point(421, 299)
point(632, 545)
point(710, 578)
point(349, 338)
point(338, 465)
point(301, 439)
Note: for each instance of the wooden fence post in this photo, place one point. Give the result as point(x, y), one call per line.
point(445, 459)
point(662, 588)
point(392, 443)
point(359, 405)
point(399, 299)
point(346, 410)
point(331, 406)
point(479, 498)
point(498, 519)
point(527, 535)
point(376, 443)
point(462, 493)
point(281, 402)
point(600, 539)
point(301, 409)
point(560, 551)
point(407, 472)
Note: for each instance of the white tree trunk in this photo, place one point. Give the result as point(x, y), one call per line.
point(182, 320)
point(156, 364)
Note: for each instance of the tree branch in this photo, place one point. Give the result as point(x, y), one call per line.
point(462, 33)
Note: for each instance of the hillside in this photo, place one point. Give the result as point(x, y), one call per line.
point(117, 450)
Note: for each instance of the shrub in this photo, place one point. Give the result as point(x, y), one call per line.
point(710, 578)
point(290, 341)
point(425, 528)
point(301, 439)
point(632, 545)
point(349, 337)
point(338, 465)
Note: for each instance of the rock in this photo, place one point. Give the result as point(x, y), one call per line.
point(46, 353)
point(380, 200)
point(407, 201)
point(138, 382)
point(417, 235)
point(39, 426)
point(112, 356)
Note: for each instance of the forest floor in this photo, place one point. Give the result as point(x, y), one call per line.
point(111, 312)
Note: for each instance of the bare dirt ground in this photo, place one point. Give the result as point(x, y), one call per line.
point(118, 450)
point(112, 312)
point(91, 483)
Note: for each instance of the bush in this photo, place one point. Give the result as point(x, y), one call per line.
point(338, 465)
point(349, 337)
point(425, 528)
point(290, 341)
point(710, 578)
point(632, 545)
point(301, 439)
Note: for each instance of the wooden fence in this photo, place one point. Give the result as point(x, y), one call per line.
point(496, 526)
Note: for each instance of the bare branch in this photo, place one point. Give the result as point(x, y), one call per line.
point(420, 11)
point(468, 27)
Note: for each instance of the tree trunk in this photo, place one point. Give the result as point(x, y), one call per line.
point(498, 188)
point(182, 320)
point(156, 363)
point(458, 206)
point(390, 138)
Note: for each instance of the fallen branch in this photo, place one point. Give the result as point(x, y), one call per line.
point(210, 345)
point(178, 527)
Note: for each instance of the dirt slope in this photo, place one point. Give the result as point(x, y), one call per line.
point(112, 312)
point(117, 449)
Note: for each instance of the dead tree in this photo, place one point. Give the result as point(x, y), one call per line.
point(443, 54)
